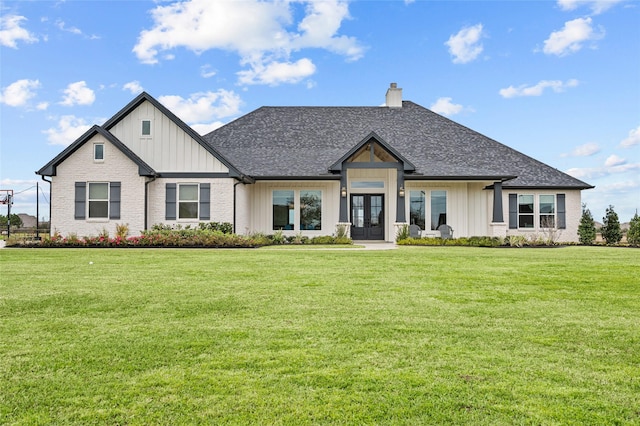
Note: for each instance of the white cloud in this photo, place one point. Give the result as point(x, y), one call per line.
point(69, 129)
point(444, 106)
point(275, 73)
point(597, 6)
point(78, 94)
point(632, 139)
point(537, 90)
point(586, 150)
point(206, 71)
point(11, 32)
point(606, 170)
point(260, 32)
point(62, 27)
point(202, 107)
point(42, 106)
point(203, 129)
point(19, 92)
point(465, 46)
point(614, 160)
point(571, 37)
point(134, 87)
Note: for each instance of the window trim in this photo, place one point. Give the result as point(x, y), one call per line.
point(532, 214)
point(90, 200)
point(300, 206)
point(142, 134)
point(292, 220)
point(553, 213)
point(95, 146)
point(196, 201)
point(426, 194)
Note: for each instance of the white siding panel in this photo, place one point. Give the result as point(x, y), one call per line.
point(262, 211)
point(169, 149)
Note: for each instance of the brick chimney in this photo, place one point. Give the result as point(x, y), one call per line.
point(394, 96)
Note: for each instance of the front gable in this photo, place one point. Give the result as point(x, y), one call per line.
point(50, 169)
point(164, 141)
point(372, 152)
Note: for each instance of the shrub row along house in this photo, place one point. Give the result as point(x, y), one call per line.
point(307, 170)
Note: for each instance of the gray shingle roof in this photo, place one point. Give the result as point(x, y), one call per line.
point(303, 142)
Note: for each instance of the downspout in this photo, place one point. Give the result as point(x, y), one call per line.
point(50, 201)
point(146, 201)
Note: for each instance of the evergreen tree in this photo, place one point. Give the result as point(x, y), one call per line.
point(15, 220)
point(611, 231)
point(587, 227)
point(633, 235)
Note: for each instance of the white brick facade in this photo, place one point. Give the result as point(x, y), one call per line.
point(221, 201)
point(81, 167)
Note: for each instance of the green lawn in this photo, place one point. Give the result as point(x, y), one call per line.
point(417, 335)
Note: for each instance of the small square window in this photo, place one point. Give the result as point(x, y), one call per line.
point(146, 128)
point(98, 152)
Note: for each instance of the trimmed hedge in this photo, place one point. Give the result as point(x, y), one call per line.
point(469, 242)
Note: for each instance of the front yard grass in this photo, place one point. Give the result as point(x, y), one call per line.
point(417, 335)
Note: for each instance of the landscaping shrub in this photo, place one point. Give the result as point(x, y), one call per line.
point(633, 234)
point(587, 227)
point(611, 231)
point(403, 233)
point(215, 236)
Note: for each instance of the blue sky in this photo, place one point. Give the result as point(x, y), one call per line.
point(556, 80)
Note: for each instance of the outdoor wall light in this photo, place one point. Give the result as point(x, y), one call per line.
point(401, 192)
point(343, 192)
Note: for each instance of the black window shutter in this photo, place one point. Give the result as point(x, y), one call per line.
point(562, 211)
point(205, 201)
point(114, 200)
point(80, 200)
point(170, 202)
point(513, 211)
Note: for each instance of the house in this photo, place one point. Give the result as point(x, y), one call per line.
point(307, 170)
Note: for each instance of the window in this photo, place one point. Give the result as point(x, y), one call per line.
point(188, 201)
point(283, 209)
point(146, 128)
point(98, 152)
point(550, 211)
point(367, 184)
point(310, 210)
point(525, 211)
point(547, 211)
point(98, 200)
point(438, 209)
point(417, 208)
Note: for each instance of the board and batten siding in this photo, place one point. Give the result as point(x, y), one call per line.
point(467, 211)
point(168, 148)
point(81, 167)
point(262, 208)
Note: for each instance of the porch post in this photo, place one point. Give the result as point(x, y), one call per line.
point(400, 208)
point(344, 216)
point(497, 202)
